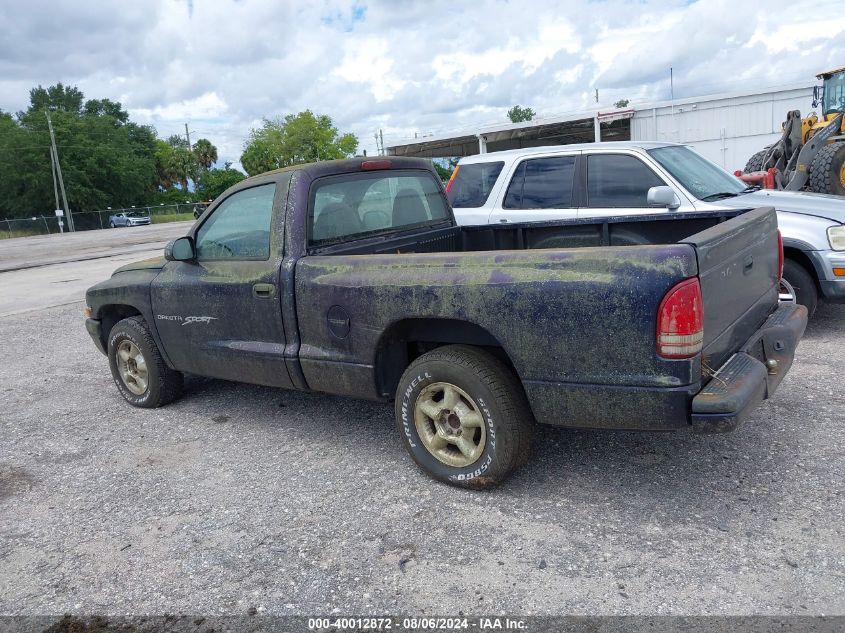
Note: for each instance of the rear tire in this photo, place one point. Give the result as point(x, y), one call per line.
point(827, 172)
point(464, 417)
point(755, 163)
point(137, 367)
point(803, 283)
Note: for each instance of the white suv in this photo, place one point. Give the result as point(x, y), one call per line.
point(626, 178)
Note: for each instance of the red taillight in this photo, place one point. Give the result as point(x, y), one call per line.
point(780, 255)
point(680, 321)
point(452, 178)
point(368, 165)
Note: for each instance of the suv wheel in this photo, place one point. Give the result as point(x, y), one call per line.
point(803, 284)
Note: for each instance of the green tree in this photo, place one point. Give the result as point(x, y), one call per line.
point(175, 163)
point(445, 170)
point(165, 161)
point(213, 182)
point(622, 103)
point(518, 114)
point(106, 159)
point(56, 98)
point(299, 138)
point(205, 152)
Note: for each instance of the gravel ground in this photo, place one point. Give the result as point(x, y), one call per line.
point(238, 498)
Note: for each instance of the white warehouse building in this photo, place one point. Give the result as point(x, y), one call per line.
point(726, 128)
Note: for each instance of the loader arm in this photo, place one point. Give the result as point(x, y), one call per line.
point(811, 148)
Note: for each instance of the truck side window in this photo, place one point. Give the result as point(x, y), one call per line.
point(240, 227)
point(618, 180)
point(354, 205)
point(542, 183)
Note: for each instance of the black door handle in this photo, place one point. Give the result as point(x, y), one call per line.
point(264, 291)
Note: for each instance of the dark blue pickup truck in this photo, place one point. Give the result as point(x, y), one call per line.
point(352, 278)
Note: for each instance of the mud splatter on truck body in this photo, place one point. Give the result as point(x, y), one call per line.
point(569, 306)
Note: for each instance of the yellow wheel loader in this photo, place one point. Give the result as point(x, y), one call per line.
point(810, 154)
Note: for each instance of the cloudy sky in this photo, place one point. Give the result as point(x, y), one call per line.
point(405, 66)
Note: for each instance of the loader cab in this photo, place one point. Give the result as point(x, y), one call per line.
point(831, 94)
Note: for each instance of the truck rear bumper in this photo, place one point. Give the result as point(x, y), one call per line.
point(752, 374)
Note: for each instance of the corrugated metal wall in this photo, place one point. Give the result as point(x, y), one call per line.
point(728, 130)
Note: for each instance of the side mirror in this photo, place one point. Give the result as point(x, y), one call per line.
point(662, 196)
point(180, 250)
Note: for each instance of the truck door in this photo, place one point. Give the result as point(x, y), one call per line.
point(220, 315)
point(539, 189)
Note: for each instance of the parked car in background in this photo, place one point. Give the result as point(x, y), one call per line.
point(631, 178)
point(199, 209)
point(129, 218)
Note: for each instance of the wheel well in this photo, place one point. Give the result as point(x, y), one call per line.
point(111, 314)
point(799, 257)
point(406, 340)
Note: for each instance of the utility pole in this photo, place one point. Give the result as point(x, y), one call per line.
point(597, 95)
point(381, 141)
point(55, 186)
point(188, 136)
point(58, 166)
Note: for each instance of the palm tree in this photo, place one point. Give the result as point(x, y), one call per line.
point(205, 152)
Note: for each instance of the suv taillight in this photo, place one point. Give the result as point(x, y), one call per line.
point(680, 321)
point(780, 255)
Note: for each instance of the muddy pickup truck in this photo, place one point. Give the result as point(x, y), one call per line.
point(352, 278)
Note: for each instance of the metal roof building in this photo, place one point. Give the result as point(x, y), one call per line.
point(726, 128)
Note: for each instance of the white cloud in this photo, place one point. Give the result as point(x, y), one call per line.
point(406, 67)
point(368, 61)
point(206, 106)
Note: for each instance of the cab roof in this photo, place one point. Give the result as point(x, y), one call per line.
point(828, 73)
point(347, 165)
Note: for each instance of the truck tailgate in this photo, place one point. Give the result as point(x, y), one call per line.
point(738, 267)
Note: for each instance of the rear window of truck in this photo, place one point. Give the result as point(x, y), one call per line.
point(472, 184)
point(356, 205)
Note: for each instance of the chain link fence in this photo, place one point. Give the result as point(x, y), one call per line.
point(93, 220)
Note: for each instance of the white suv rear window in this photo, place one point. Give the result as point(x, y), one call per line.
point(472, 184)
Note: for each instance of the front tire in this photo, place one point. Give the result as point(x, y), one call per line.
point(111, 225)
point(803, 284)
point(827, 172)
point(137, 367)
point(464, 417)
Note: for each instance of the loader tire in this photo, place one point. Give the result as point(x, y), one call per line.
point(827, 172)
point(755, 163)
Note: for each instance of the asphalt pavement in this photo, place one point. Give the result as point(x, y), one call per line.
point(49, 270)
point(242, 499)
point(29, 252)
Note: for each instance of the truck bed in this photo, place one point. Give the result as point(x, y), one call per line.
point(659, 228)
point(536, 291)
